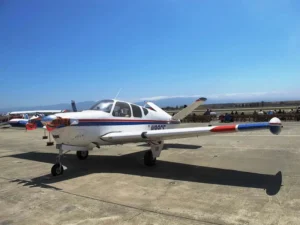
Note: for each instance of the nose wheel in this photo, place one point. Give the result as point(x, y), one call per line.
point(57, 169)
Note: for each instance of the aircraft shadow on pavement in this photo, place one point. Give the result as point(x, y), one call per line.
point(133, 164)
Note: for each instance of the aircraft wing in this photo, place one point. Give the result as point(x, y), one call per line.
point(139, 136)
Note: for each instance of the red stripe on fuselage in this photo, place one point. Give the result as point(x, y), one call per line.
point(223, 128)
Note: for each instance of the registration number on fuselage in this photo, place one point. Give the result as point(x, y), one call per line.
point(158, 127)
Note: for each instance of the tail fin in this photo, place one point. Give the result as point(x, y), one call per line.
point(156, 108)
point(73, 104)
point(186, 111)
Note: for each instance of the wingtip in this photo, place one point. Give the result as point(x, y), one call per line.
point(275, 125)
point(201, 99)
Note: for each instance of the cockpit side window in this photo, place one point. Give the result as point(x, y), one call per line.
point(145, 111)
point(104, 106)
point(122, 109)
point(136, 111)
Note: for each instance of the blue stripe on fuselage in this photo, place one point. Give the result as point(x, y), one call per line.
point(120, 123)
point(253, 126)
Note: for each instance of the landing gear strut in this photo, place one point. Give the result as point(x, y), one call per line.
point(50, 143)
point(82, 154)
point(45, 135)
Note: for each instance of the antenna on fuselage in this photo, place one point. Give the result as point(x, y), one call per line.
point(118, 93)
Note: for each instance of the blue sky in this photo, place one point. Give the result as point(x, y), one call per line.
point(55, 51)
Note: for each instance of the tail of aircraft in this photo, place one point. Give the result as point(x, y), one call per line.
point(189, 109)
point(156, 108)
point(73, 104)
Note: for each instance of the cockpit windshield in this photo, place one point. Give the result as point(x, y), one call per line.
point(104, 106)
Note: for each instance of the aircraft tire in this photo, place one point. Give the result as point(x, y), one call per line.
point(148, 159)
point(57, 169)
point(82, 154)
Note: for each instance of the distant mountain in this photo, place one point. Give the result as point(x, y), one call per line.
point(180, 101)
point(164, 102)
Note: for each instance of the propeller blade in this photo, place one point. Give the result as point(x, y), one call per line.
point(48, 119)
point(31, 126)
point(50, 122)
point(58, 122)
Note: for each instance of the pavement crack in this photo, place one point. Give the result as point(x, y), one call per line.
point(138, 214)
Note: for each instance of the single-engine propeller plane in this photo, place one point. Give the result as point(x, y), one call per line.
point(112, 122)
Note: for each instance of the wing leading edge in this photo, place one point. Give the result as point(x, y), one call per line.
point(126, 137)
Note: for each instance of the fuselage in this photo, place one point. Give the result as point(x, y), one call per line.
point(88, 126)
point(22, 123)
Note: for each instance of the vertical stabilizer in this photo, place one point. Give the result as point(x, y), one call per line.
point(156, 108)
point(189, 109)
point(73, 104)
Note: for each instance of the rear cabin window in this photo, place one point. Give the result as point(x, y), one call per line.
point(122, 109)
point(136, 111)
point(145, 111)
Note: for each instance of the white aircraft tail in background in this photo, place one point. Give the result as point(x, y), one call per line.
point(189, 109)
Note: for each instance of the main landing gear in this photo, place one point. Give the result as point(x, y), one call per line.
point(49, 142)
point(151, 155)
point(149, 160)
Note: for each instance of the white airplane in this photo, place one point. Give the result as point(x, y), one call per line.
point(25, 116)
point(112, 122)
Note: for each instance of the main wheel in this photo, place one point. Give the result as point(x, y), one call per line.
point(148, 159)
point(82, 154)
point(57, 169)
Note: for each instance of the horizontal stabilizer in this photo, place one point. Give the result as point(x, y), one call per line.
point(189, 109)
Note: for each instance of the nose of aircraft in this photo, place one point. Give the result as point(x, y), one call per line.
point(55, 121)
point(48, 119)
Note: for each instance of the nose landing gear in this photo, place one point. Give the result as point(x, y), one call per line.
point(81, 152)
point(57, 168)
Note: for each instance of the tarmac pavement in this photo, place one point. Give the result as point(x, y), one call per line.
point(241, 178)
